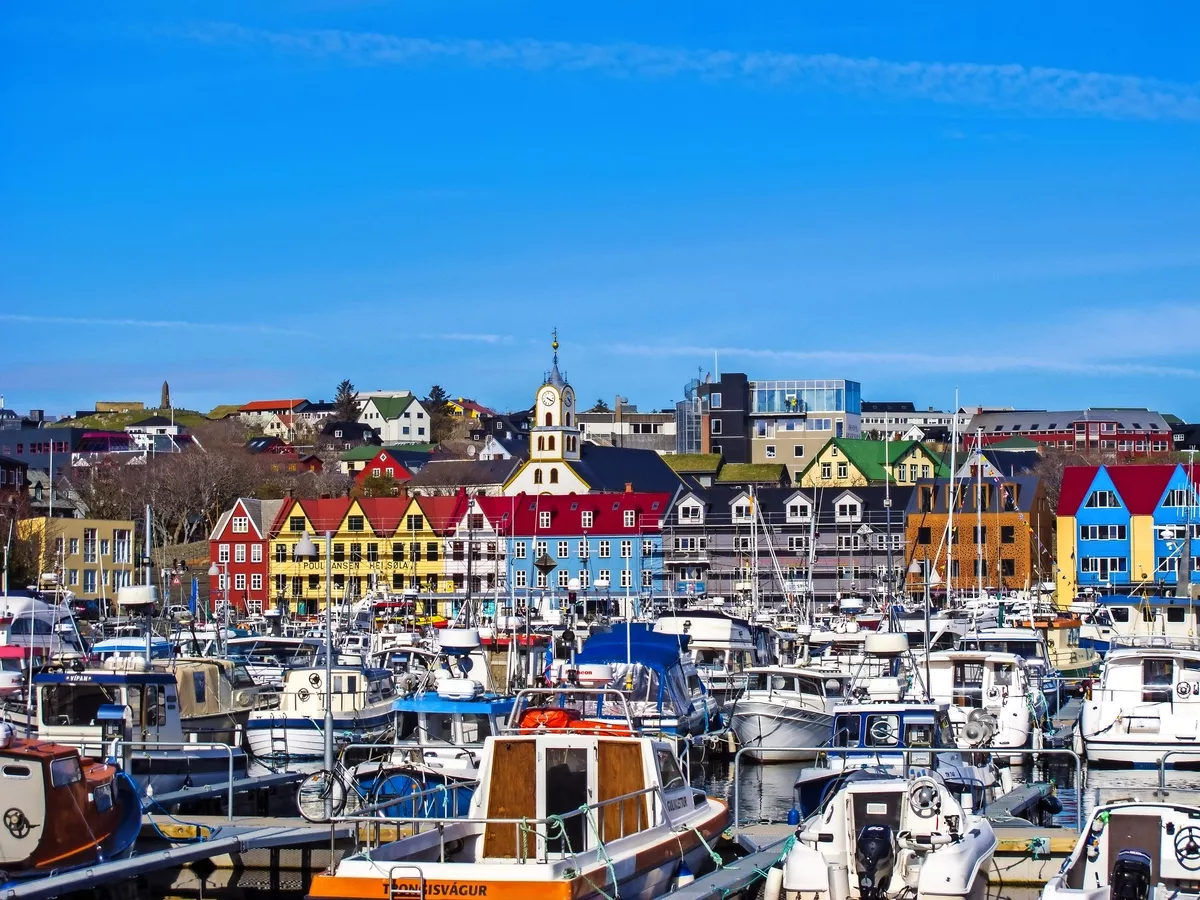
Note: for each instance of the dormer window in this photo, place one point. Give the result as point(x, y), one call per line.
point(689, 513)
point(543, 519)
point(741, 512)
point(798, 512)
point(849, 511)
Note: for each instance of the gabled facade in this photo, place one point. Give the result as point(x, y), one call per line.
point(850, 462)
point(383, 465)
point(239, 545)
point(397, 420)
point(1123, 528)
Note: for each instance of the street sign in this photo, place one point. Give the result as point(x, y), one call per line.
point(175, 581)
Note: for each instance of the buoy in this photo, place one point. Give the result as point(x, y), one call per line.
point(793, 817)
point(685, 876)
point(774, 885)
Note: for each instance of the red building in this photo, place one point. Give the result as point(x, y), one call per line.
point(238, 546)
point(384, 465)
point(1133, 432)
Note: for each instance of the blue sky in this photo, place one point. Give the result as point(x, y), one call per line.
point(259, 199)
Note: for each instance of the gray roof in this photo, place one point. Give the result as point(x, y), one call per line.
point(464, 472)
point(1025, 420)
point(611, 468)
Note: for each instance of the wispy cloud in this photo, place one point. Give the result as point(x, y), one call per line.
point(172, 324)
point(469, 337)
point(1011, 87)
point(997, 362)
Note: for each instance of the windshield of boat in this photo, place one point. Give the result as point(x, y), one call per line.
point(10, 665)
point(845, 731)
point(76, 704)
point(710, 658)
point(1023, 649)
point(241, 676)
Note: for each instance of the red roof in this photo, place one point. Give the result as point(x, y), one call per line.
point(1075, 484)
point(475, 407)
point(443, 513)
point(1141, 487)
point(270, 405)
point(520, 515)
point(383, 461)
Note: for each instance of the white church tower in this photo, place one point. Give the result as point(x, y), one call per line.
point(555, 433)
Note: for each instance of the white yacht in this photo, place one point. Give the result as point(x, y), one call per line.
point(991, 701)
point(1133, 850)
point(784, 708)
point(881, 838)
point(722, 648)
point(1147, 702)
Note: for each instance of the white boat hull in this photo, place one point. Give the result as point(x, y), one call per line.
point(288, 736)
point(767, 730)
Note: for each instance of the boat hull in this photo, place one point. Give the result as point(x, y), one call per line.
point(293, 737)
point(766, 731)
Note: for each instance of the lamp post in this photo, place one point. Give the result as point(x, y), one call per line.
point(306, 549)
point(930, 578)
point(213, 571)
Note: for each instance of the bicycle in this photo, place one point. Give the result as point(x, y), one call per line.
point(326, 794)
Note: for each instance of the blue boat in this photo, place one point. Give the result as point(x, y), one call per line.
point(655, 673)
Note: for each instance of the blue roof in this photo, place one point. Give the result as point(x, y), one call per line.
point(104, 678)
point(430, 702)
point(1151, 600)
point(657, 651)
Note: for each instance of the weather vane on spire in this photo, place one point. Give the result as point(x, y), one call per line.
point(554, 344)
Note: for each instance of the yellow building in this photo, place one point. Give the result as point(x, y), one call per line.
point(383, 542)
point(92, 558)
point(859, 462)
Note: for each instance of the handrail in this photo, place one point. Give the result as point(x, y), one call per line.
point(907, 754)
point(1162, 765)
point(180, 745)
point(566, 693)
point(588, 812)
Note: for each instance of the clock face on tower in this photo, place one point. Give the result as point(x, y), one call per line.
point(567, 399)
point(548, 398)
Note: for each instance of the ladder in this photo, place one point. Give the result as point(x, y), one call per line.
point(409, 886)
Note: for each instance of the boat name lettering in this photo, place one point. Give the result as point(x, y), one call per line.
point(77, 677)
point(678, 803)
point(457, 889)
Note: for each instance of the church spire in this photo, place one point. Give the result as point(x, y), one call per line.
point(555, 377)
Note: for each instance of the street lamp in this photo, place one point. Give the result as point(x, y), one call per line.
point(307, 550)
point(213, 571)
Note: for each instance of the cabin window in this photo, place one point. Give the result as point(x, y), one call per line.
point(945, 732)
point(156, 706)
point(475, 728)
point(439, 728)
point(65, 771)
point(783, 683)
point(352, 684)
point(1175, 613)
point(883, 730)
point(668, 770)
point(1147, 613)
point(1120, 613)
point(833, 687)
point(968, 685)
point(16, 771)
point(373, 692)
point(1157, 676)
point(845, 731)
point(75, 704)
point(1004, 675)
point(198, 686)
point(566, 791)
point(708, 657)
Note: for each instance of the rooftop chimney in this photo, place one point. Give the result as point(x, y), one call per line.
point(629, 487)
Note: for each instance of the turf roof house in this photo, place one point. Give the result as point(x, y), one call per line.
point(855, 462)
point(397, 420)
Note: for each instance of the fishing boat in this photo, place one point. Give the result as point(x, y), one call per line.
point(62, 810)
point(1133, 850)
point(876, 839)
point(125, 701)
point(360, 698)
point(899, 739)
point(1146, 703)
point(1067, 657)
point(559, 814)
point(783, 709)
point(989, 697)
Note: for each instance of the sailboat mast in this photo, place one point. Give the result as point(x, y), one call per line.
point(952, 500)
point(979, 513)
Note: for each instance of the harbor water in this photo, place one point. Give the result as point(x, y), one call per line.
point(764, 795)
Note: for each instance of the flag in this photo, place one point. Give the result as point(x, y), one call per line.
point(195, 598)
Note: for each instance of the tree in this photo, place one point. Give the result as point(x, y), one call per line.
point(441, 420)
point(377, 486)
point(345, 402)
point(600, 407)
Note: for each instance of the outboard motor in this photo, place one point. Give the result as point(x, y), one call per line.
point(874, 857)
point(1130, 878)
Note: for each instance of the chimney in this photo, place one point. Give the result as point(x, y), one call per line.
point(288, 494)
point(705, 433)
point(629, 487)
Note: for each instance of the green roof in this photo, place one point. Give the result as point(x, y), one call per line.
point(874, 459)
point(1016, 442)
point(1171, 419)
point(392, 407)
point(116, 421)
point(693, 463)
point(746, 473)
point(225, 409)
point(368, 451)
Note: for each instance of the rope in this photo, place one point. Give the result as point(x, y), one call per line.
point(203, 832)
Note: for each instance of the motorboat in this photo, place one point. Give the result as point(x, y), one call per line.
point(1146, 703)
point(62, 810)
point(783, 709)
point(991, 701)
point(876, 839)
point(1133, 850)
point(656, 674)
point(1030, 645)
point(124, 701)
point(216, 697)
point(129, 646)
point(360, 700)
point(267, 659)
point(558, 814)
point(899, 739)
point(722, 648)
point(1111, 616)
point(1067, 657)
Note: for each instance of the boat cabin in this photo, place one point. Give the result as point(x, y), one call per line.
point(825, 686)
point(1027, 643)
point(123, 699)
point(988, 696)
point(132, 646)
point(874, 727)
point(210, 687)
point(1170, 616)
point(442, 731)
point(1151, 669)
point(353, 689)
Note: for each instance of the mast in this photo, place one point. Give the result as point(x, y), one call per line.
point(978, 513)
point(753, 552)
point(887, 503)
point(950, 506)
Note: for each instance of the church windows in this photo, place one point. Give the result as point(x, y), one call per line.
point(554, 476)
point(568, 420)
point(550, 442)
point(549, 419)
point(541, 442)
point(537, 476)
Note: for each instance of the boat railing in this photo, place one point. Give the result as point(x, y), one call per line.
point(568, 697)
point(1152, 641)
point(547, 837)
point(305, 700)
point(118, 743)
point(927, 753)
point(469, 752)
